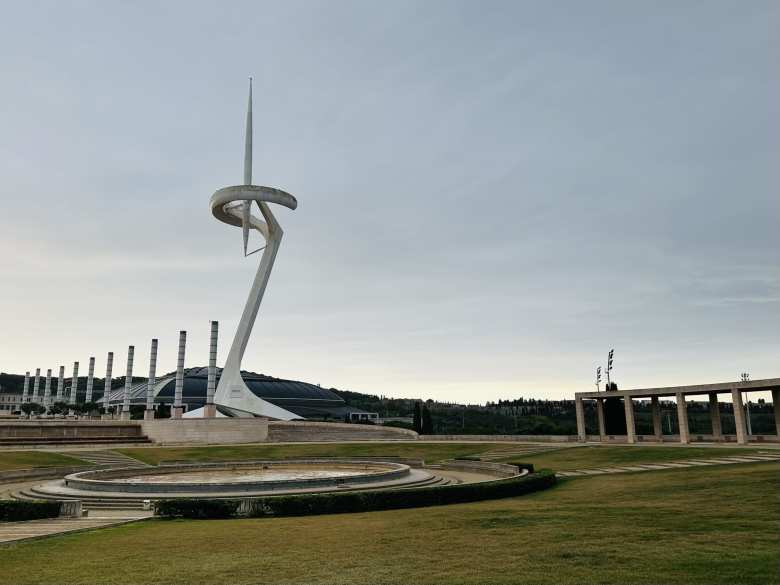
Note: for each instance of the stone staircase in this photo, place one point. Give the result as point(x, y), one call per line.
point(107, 458)
point(725, 460)
point(65, 441)
point(91, 502)
point(519, 451)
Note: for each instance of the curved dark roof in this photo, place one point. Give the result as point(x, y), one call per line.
point(302, 398)
point(266, 387)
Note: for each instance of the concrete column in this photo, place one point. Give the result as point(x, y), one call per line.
point(580, 412)
point(90, 379)
point(682, 418)
point(739, 416)
point(47, 389)
point(26, 388)
point(177, 410)
point(128, 383)
point(210, 410)
point(61, 384)
point(628, 404)
point(658, 430)
point(36, 385)
point(600, 414)
point(107, 385)
point(149, 412)
point(74, 384)
point(775, 406)
point(717, 429)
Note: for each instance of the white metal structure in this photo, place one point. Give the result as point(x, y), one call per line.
point(233, 205)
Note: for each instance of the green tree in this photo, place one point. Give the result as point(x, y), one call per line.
point(427, 423)
point(417, 420)
point(88, 408)
point(58, 408)
point(33, 408)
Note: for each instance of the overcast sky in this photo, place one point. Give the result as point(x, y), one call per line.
point(491, 194)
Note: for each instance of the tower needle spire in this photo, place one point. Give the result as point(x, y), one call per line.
point(247, 169)
point(248, 143)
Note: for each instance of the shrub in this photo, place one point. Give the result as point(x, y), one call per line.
point(18, 510)
point(358, 501)
point(196, 508)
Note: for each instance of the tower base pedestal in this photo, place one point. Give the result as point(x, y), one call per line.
point(176, 411)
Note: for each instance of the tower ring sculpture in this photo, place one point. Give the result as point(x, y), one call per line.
point(233, 206)
point(229, 205)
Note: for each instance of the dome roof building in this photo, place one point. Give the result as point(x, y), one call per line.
point(301, 399)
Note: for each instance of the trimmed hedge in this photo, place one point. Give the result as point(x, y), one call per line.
point(200, 509)
point(359, 501)
point(18, 510)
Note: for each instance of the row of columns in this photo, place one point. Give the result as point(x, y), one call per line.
point(46, 397)
point(177, 408)
point(682, 417)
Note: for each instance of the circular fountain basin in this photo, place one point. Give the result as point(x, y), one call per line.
point(250, 476)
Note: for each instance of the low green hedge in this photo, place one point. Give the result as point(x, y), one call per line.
point(18, 510)
point(197, 508)
point(358, 501)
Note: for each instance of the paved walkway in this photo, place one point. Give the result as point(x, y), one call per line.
point(728, 460)
point(14, 531)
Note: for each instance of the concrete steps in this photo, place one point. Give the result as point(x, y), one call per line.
point(107, 458)
point(21, 441)
point(519, 451)
point(96, 502)
point(728, 460)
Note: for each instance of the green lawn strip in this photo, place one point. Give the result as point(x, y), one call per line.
point(589, 457)
point(430, 452)
point(696, 526)
point(10, 460)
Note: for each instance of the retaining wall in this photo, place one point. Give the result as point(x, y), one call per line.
point(52, 430)
point(305, 431)
point(206, 430)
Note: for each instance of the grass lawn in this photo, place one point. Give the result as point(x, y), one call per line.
point(429, 451)
point(10, 460)
point(586, 457)
point(715, 525)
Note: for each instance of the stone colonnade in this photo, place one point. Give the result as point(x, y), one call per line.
point(712, 392)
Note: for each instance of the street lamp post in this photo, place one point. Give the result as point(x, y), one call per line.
point(745, 377)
